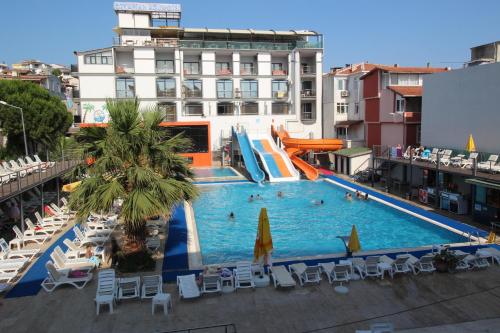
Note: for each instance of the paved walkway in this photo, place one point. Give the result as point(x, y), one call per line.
point(409, 302)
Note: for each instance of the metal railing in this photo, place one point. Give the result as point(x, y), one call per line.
point(226, 328)
point(307, 69)
point(308, 93)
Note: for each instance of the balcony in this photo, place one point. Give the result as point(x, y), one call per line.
point(124, 70)
point(279, 72)
point(224, 72)
point(307, 70)
point(189, 93)
point(413, 117)
point(308, 93)
point(170, 93)
point(165, 70)
point(248, 71)
point(280, 94)
point(191, 71)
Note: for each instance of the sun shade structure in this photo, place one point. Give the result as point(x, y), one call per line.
point(71, 186)
point(354, 244)
point(471, 146)
point(264, 241)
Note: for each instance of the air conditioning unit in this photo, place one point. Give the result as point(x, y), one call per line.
point(344, 93)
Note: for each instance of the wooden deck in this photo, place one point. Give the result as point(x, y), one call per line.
point(34, 179)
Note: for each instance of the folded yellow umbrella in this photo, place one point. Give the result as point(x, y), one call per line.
point(264, 242)
point(71, 186)
point(354, 244)
point(471, 146)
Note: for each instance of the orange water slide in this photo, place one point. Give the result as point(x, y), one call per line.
point(298, 147)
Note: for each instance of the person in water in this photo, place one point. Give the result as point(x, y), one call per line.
point(250, 199)
point(348, 196)
point(232, 216)
point(366, 196)
point(358, 195)
point(259, 197)
point(280, 194)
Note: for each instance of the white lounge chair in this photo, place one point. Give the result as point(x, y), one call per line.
point(281, 277)
point(32, 162)
point(469, 162)
point(445, 158)
point(327, 268)
point(62, 262)
point(243, 277)
point(305, 274)
point(12, 265)
point(424, 264)
point(7, 277)
point(341, 273)
point(60, 213)
point(20, 171)
point(22, 239)
point(7, 253)
point(372, 268)
point(29, 167)
point(48, 164)
point(54, 221)
point(18, 167)
point(400, 264)
point(491, 252)
point(188, 288)
point(73, 251)
point(83, 239)
point(38, 229)
point(488, 164)
point(358, 264)
point(106, 290)
point(58, 278)
point(211, 284)
point(151, 286)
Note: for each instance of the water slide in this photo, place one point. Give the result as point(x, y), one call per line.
point(249, 158)
point(275, 161)
point(298, 147)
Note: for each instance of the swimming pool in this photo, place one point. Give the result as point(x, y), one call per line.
point(298, 226)
point(214, 172)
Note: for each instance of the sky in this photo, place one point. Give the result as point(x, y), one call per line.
point(409, 33)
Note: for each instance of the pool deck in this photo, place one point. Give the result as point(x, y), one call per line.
point(409, 302)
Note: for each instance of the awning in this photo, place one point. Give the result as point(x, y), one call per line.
point(347, 123)
point(483, 183)
point(407, 91)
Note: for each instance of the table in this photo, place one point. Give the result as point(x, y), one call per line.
point(261, 281)
point(227, 284)
point(385, 267)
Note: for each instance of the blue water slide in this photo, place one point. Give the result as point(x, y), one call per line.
point(249, 157)
point(268, 159)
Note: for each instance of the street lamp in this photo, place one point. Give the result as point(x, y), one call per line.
point(22, 121)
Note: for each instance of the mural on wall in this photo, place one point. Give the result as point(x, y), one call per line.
point(99, 114)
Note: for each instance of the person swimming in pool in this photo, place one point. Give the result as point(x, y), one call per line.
point(318, 202)
point(348, 196)
point(366, 196)
point(232, 216)
point(280, 194)
point(251, 198)
point(259, 197)
point(358, 195)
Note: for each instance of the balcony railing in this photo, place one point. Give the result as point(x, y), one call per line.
point(308, 93)
point(124, 70)
point(279, 72)
point(413, 116)
point(191, 72)
point(307, 69)
point(280, 94)
point(164, 70)
point(246, 71)
point(224, 71)
point(166, 93)
point(193, 93)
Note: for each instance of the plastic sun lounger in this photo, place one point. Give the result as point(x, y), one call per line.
point(371, 267)
point(61, 262)
point(151, 286)
point(38, 229)
point(305, 274)
point(400, 265)
point(188, 288)
point(84, 239)
point(58, 278)
point(243, 277)
point(211, 284)
point(12, 254)
point(49, 164)
point(282, 277)
point(425, 264)
point(106, 289)
point(23, 239)
point(491, 252)
point(327, 268)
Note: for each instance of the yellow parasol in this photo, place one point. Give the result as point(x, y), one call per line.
point(71, 186)
point(264, 241)
point(471, 146)
point(354, 244)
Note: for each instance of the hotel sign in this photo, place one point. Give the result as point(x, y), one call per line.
point(147, 7)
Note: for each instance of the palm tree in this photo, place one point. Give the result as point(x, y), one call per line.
point(135, 160)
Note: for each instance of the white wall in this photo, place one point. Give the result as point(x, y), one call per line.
point(462, 102)
point(97, 87)
point(144, 60)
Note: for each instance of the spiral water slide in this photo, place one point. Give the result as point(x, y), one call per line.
point(298, 147)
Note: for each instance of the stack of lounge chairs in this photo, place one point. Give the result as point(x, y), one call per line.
point(11, 170)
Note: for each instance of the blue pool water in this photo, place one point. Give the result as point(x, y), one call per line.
point(214, 172)
point(300, 228)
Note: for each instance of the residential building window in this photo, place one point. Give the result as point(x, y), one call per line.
point(191, 68)
point(224, 89)
point(193, 109)
point(356, 107)
point(169, 111)
point(125, 87)
point(406, 79)
point(280, 108)
point(307, 113)
point(165, 66)
point(249, 108)
point(277, 68)
point(342, 84)
point(342, 107)
point(222, 68)
point(249, 89)
point(385, 80)
point(246, 68)
point(280, 88)
point(193, 88)
point(101, 58)
point(394, 80)
point(225, 109)
point(165, 87)
point(400, 105)
point(341, 132)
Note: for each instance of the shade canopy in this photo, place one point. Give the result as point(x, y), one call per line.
point(264, 242)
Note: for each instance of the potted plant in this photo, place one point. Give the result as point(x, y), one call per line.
point(445, 261)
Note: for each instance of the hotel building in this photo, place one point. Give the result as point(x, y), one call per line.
point(205, 80)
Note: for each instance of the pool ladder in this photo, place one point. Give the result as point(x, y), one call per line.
point(469, 237)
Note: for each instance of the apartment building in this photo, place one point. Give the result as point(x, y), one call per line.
point(343, 104)
point(205, 80)
point(485, 54)
point(393, 104)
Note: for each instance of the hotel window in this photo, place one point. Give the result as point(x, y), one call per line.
point(342, 108)
point(193, 88)
point(400, 105)
point(280, 108)
point(249, 89)
point(224, 89)
point(165, 66)
point(280, 88)
point(342, 84)
point(385, 80)
point(341, 132)
point(191, 68)
point(394, 81)
point(169, 111)
point(225, 109)
point(125, 88)
point(222, 68)
point(249, 108)
point(276, 66)
point(307, 113)
point(165, 87)
point(247, 68)
point(101, 58)
point(193, 109)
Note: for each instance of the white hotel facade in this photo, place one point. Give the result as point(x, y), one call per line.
point(225, 77)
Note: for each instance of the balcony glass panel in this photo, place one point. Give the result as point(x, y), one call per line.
point(165, 87)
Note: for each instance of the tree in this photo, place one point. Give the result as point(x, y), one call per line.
point(45, 116)
point(56, 72)
point(135, 160)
